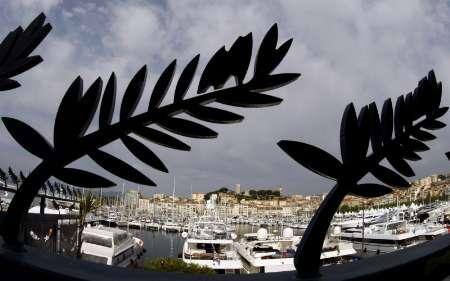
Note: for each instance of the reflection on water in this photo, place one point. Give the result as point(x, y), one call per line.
point(162, 244)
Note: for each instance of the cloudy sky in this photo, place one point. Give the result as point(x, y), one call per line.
point(360, 51)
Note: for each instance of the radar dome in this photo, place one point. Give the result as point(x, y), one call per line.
point(337, 230)
point(262, 234)
point(288, 232)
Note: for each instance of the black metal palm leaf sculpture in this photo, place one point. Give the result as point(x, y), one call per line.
point(16, 48)
point(76, 113)
point(398, 135)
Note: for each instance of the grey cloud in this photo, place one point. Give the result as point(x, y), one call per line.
point(346, 51)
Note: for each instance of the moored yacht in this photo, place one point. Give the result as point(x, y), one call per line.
point(382, 237)
point(208, 243)
point(111, 246)
point(135, 224)
point(171, 226)
point(151, 225)
point(263, 252)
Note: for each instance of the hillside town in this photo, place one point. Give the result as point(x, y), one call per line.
point(272, 202)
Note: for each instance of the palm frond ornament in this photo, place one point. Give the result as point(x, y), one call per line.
point(15, 50)
point(76, 112)
point(398, 135)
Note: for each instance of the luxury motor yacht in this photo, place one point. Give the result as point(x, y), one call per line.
point(171, 226)
point(152, 225)
point(208, 243)
point(382, 237)
point(135, 224)
point(111, 246)
point(263, 252)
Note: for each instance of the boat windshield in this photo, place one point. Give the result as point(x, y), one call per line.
point(208, 230)
point(97, 240)
point(120, 238)
point(94, 258)
point(209, 251)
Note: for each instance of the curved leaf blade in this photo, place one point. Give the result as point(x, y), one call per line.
point(66, 117)
point(161, 86)
point(214, 115)
point(389, 177)
point(400, 165)
point(269, 57)
point(21, 66)
point(108, 102)
point(28, 138)
point(143, 153)
point(313, 158)
point(422, 135)
point(216, 72)
point(409, 155)
point(224, 64)
point(375, 128)
point(399, 116)
point(431, 124)
point(349, 137)
point(272, 82)
point(438, 113)
point(133, 93)
point(187, 128)
point(415, 145)
point(249, 99)
point(8, 84)
point(7, 44)
point(448, 155)
point(240, 55)
point(387, 125)
point(82, 178)
point(161, 138)
point(370, 190)
point(119, 168)
point(363, 131)
point(185, 80)
point(88, 106)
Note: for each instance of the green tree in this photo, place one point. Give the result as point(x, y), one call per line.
point(14, 178)
point(3, 177)
point(88, 204)
point(175, 265)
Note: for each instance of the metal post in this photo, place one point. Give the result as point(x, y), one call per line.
point(363, 228)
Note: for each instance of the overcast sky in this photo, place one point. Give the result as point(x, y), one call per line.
point(360, 51)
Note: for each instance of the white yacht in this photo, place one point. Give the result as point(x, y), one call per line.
point(151, 225)
point(135, 224)
point(111, 246)
point(208, 243)
point(382, 237)
point(171, 226)
point(263, 252)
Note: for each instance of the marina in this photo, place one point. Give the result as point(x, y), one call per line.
point(256, 245)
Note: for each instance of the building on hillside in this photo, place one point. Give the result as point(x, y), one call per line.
point(144, 204)
point(131, 198)
point(237, 188)
point(198, 197)
point(159, 196)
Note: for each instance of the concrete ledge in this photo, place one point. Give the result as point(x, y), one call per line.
point(428, 261)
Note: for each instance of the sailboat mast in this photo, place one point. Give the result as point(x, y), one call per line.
point(173, 197)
